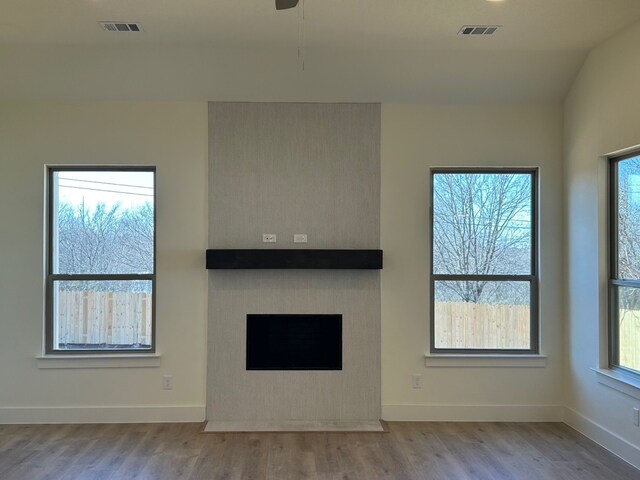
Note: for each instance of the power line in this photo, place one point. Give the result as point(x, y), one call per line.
point(108, 191)
point(104, 183)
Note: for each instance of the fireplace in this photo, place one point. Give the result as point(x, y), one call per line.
point(262, 373)
point(294, 342)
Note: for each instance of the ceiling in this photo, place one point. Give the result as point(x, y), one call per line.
point(354, 50)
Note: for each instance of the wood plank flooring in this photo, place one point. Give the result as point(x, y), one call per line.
point(451, 451)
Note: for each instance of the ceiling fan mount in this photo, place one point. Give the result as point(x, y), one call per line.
point(285, 4)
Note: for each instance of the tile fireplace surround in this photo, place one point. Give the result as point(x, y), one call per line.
point(287, 169)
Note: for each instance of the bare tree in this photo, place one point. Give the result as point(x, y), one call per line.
point(105, 240)
point(135, 239)
point(628, 247)
point(482, 226)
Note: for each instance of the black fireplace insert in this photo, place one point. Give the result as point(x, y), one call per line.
point(294, 342)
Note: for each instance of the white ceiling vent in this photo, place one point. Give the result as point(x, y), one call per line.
point(478, 29)
point(121, 27)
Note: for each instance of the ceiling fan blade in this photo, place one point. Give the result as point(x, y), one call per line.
point(285, 4)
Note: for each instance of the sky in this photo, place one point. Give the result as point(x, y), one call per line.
point(129, 188)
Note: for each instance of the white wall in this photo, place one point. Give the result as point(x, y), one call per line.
point(602, 115)
point(414, 139)
point(172, 136)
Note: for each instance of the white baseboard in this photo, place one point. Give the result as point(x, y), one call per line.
point(126, 414)
point(472, 413)
point(603, 437)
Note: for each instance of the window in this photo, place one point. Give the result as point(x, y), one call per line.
point(624, 282)
point(484, 286)
point(100, 260)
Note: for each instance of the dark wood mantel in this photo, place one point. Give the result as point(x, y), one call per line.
point(265, 258)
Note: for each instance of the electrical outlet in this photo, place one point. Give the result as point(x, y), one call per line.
point(167, 382)
point(300, 238)
point(268, 238)
point(636, 417)
point(416, 381)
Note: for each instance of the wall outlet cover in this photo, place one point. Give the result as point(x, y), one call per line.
point(268, 238)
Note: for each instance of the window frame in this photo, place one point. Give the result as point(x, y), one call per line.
point(614, 281)
point(532, 278)
point(51, 277)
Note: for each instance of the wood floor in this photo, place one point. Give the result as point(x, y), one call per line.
point(450, 451)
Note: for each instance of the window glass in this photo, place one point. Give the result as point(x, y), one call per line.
point(628, 326)
point(101, 260)
point(483, 277)
point(629, 218)
point(482, 223)
point(625, 264)
point(482, 315)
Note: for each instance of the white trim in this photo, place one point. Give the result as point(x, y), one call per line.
point(622, 151)
point(485, 360)
point(122, 414)
point(472, 413)
point(293, 426)
point(99, 361)
point(605, 438)
point(624, 383)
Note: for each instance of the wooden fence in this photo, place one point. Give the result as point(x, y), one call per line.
point(468, 325)
point(112, 318)
point(477, 325)
point(630, 338)
point(124, 318)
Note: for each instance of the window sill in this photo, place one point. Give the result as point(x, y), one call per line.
point(487, 360)
point(99, 361)
point(620, 381)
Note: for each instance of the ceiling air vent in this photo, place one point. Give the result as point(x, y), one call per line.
point(479, 29)
point(121, 27)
